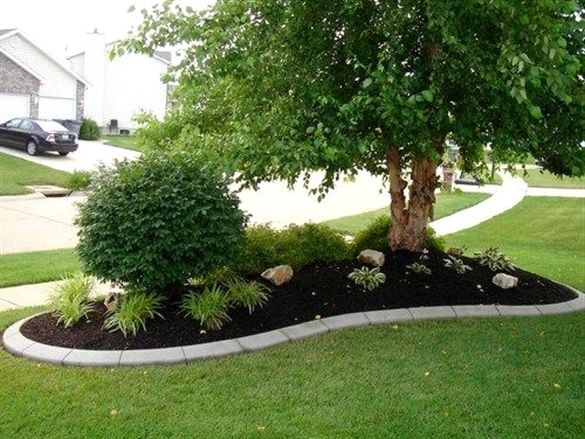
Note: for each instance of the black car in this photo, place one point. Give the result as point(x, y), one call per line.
point(37, 136)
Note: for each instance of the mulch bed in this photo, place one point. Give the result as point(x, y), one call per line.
point(320, 290)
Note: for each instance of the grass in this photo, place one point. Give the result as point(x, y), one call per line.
point(536, 178)
point(463, 378)
point(447, 204)
point(128, 142)
point(35, 267)
point(541, 234)
point(17, 173)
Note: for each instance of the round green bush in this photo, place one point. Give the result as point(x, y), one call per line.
point(155, 222)
point(89, 129)
point(375, 237)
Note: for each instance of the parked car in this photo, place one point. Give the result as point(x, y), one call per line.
point(37, 136)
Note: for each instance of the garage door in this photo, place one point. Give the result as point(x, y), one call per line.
point(13, 105)
point(56, 108)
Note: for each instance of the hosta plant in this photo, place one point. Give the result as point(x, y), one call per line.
point(132, 313)
point(494, 259)
point(249, 295)
point(367, 278)
point(419, 268)
point(456, 264)
point(70, 299)
point(210, 307)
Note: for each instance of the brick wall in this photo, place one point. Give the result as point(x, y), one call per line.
point(14, 79)
point(80, 100)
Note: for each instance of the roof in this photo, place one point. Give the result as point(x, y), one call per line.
point(161, 55)
point(10, 32)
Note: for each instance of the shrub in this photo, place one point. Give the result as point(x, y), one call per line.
point(367, 278)
point(155, 222)
point(89, 129)
point(419, 268)
point(79, 180)
point(249, 295)
point(375, 237)
point(296, 245)
point(209, 307)
point(494, 259)
point(131, 314)
point(456, 264)
point(70, 299)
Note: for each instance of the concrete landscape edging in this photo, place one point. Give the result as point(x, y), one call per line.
point(18, 345)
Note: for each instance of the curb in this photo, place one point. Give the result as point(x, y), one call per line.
point(18, 345)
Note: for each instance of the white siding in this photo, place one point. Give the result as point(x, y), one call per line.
point(55, 81)
point(133, 84)
point(78, 63)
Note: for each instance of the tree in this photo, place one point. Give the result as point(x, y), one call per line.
point(283, 88)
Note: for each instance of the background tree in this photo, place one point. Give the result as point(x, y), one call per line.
point(282, 88)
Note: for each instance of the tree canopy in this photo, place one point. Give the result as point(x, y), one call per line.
point(285, 87)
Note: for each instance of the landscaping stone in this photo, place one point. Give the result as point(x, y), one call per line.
point(346, 321)
point(212, 350)
point(278, 275)
point(152, 356)
point(373, 258)
point(476, 311)
point(505, 281)
point(263, 340)
point(16, 343)
point(432, 312)
point(83, 357)
point(518, 310)
point(578, 304)
point(455, 251)
point(51, 191)
point(555, 308)
point(48, 354)
point(111, 301)
point(305, 330)
point(388, 316)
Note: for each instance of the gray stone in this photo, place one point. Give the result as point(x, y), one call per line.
point(577, 304)
point(263, 340)
point(476, 311)
point(373, 258)
point(15, 79)
point(16, 343)
point(505, 281)
point(555, 308)
point(212, 350)
point(518, 310)
point(139, 357)
point(46, 353)
point(111, 300)
point(388, 316)
point(432, 312)
point(346, 321)
point(305, 330)
point(82, 357)
point(49, 190)
point(278, 275)
point(455, 251)
point(80, 101)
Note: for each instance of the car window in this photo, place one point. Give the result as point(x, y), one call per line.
point(50, 125)
point(13, 123)
point(26, 125)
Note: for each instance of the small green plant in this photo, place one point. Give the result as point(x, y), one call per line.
point(493, 258)
point(209, 307)
point(131, 314)
point(367, 278)
point(79, 180)
point(70, 299)
point(419, 268)
point(249, 295)
point(456, 264)
point(89, 129)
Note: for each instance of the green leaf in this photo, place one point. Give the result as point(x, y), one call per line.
point(428, 95)
point(535, 111)
point(367, 82)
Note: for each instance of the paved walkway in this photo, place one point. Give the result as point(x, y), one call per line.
point(86, 158)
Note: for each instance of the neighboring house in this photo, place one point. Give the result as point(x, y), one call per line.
point(34, 83)
point(123, 86)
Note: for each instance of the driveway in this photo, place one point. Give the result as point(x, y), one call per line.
point(86, 158)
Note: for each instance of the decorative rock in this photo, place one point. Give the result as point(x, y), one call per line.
point(455, 251)
point(278, 275)
point(111, 301)
point(505, 281)
point(371, 257)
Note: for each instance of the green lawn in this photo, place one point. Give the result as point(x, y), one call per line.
point(128, 142)
point(17, 173)
point(541, 234)
point(447, 204)
point(536, 178)
point(35, 267)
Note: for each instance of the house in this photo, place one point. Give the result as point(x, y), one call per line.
point(34, 83)
point(123, 86)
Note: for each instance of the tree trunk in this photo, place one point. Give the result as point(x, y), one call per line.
point(409, 222)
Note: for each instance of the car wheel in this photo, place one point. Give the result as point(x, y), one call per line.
point(32, 148)
point(63, 154)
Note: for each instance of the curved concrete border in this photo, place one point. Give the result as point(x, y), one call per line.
point(19, 345)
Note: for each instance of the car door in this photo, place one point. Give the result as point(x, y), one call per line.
point(8, 136)
point(23, 133)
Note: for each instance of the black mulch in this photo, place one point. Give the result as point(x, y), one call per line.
point(322, 290)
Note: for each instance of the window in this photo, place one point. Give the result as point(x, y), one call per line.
point(26, 125)
point(13, 123)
